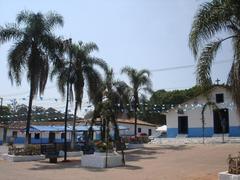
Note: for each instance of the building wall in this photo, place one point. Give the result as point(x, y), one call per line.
point(195, 116)
point(44, 137)
point(130, 131)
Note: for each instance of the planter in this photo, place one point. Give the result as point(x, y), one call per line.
point(71, 154)
point(14, 158)
point(227, 176)
point(98, 160)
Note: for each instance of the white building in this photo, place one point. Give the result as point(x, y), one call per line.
point(186, 119)
point(142, 127)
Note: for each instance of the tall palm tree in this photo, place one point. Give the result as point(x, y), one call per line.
point(34, 47)
point(211, 20)
point(139, 80)
point(117, 94)
point(82, 72)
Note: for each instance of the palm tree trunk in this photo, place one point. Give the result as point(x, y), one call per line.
point(103, 130)
point(28, 137)
point(117, 139)
point(135, 113)
point(90, 130)
point(73, 140)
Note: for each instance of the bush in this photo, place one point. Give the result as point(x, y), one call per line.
point(28, 150)
point(136, 140)
point(102, 146)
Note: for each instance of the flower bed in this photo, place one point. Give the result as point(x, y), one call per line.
point(21, 154)
point(22, 151)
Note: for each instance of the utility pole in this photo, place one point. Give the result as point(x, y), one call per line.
point(1, 114)
point(1, 105)
point(1, 110)
point(68, 44)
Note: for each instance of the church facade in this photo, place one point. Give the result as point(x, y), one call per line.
point(222, 116)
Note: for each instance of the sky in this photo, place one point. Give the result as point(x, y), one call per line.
point(149, 34)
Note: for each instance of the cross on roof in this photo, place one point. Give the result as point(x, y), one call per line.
point(217, 81)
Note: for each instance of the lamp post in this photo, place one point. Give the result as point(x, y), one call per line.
point(67, 44)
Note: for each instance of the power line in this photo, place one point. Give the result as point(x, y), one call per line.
point(185, 66)
point(152, 70)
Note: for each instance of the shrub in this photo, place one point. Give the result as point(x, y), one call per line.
point(28, 150)
point(102, 146)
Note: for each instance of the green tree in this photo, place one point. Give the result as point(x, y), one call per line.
point(34, 47)
point(212, 19)
point(139, 80)
point(82, 73)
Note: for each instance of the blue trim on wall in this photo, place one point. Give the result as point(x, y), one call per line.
point(198, 132)
point(234, 131)
point(20, 140)
point(1, 142)
point(172, 132)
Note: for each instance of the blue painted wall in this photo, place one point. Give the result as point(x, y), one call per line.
point(20, 140)
point(198, 132)
point(172, 132)
point(234, 131)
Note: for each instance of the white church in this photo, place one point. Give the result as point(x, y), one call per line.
point(185, 120)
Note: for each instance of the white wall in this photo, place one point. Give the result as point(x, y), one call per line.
point(194, 112)
point(130, 131)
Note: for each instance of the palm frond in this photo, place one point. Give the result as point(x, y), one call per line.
point(211, 18)
point(53, 19)
point(204, 63)
point(17, 59)
point(24, 16)
point(10, 32)
point(234, 74)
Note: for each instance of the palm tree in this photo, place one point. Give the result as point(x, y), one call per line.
point(139, 80)
point(82, 72)
point(34, 47)
point(211, 20)
point(115, 96)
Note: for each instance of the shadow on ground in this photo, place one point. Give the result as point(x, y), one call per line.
point(131, 155)
point(45, 165)
point(152, 152)
point(170, 147)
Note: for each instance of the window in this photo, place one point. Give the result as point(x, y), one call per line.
point(62, 135)
point(14, 134)
point(37, 136)
point(139, 130)
point(149, 132)
point(219, 98)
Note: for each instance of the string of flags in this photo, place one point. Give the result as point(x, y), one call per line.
point(150, 108)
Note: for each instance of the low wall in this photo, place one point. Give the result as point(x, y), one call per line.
point(98, 160)
point(227, 176)
point(14, 158)
point(71, 154)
